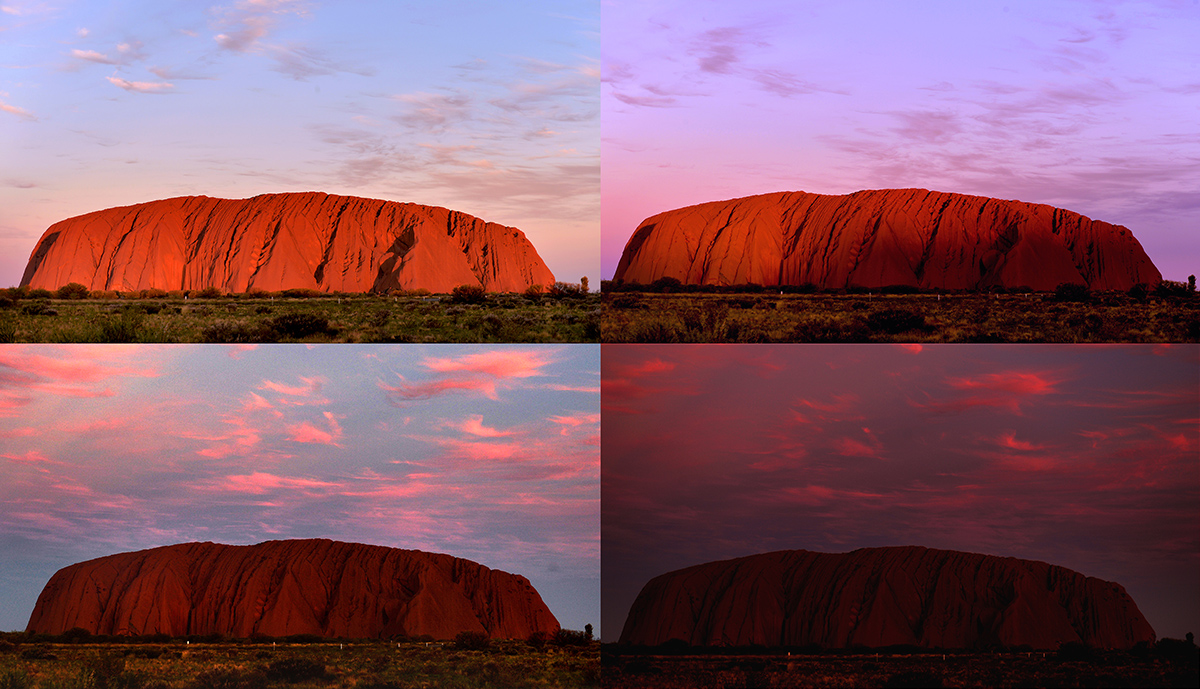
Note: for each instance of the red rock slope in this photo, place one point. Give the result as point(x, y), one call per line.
point(283, 241)
point(279, 588)
point(882, 597)
point(883, 237)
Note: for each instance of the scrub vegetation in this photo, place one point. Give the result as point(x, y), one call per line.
point(1168, 663)
point(670, 312)
point(562, 313)
point(86, 662)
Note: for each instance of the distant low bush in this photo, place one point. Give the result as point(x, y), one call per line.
point(565, 290)
point(1171, 288)
point(1072, 291)
point(571, 637)
point(468, 294)
point(298, 325)
point(299, 293)
point(208, 293)
point(1075, 651)
point(472, 641)
point(72, 290)
point(533, 292)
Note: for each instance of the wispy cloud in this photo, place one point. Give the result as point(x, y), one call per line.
point(142, 86)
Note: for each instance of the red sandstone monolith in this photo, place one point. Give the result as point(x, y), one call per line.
point(880, 238)
point(281, 588)
point(883, 597)
point(275, 242)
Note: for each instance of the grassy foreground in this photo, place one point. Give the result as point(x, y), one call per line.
point(228, 665)
point(920, 318)
point(176, 317)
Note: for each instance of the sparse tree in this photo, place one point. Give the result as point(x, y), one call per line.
point(1191, 283)
point(584, 287)
point(587, 628)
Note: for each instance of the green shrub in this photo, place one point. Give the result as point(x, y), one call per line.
point(122, 329)
point(233, 332)
point(39, 293)
point(298, 325)
point(472, 641)
point(38, 308)
point(468, 294)
point(72, 290)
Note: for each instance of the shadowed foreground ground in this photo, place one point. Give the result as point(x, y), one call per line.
point(625, 668)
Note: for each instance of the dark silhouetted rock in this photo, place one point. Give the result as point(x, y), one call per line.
point(881, 238)
point(883, 597)
point(281, 588)
point(283, 241)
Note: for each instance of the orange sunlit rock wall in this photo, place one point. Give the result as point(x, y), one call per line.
point(881, 238)
point(882, 597)
point(273, 242)
point(280, 588)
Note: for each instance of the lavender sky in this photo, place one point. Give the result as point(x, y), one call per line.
point(1082, 456)
point(1087, 105)
point(491, 108)
point(487, 453)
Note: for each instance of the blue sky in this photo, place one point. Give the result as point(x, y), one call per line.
point(484, 107)
point(486, 453)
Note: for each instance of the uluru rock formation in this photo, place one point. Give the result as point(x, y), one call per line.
point(880, 238)
point(280, 588)
point(274, 242)
point(882, 597)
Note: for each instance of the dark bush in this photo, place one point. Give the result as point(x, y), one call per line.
point(1177, 650)
point(468, 294)
point(665, 285)
point(295, 669)
point(533, 292)
point(1139, 291)
point(570, 637)
point(538, 639)
point(1072, 291)
point(208, 293)
point(895, 321)
point(39, 293)
point(37, 653)
point(472, 641)
point(304, 639)
point(1170, 288)
point(299, 325)
point(72, 290)
point(74, 635)
point(298, 293)
point(106, 669)
point(1075, 651)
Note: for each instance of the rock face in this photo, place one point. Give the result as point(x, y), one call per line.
point(279, 588)
point(880, 238)
point(882, 597)
point(283, 241)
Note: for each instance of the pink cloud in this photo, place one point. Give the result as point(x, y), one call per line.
point(32, 458)
point(306, 432)
point(1009, 440)
point(1004, 390)
point(473, 425)
point(501, 363)
point(259, 483)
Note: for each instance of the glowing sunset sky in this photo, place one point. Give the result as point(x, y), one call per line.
point(486, 453)
point(1085, 105)
point(1082, 456)
point(485, 107)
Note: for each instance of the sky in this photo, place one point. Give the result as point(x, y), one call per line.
point(489, 453)
point(1085, 105)
point(1083, 456)
point(490, 108)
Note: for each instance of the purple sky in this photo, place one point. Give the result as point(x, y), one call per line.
point(491, 108)
point(1090, 106)
point(486, 453)
point(1083, 456)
